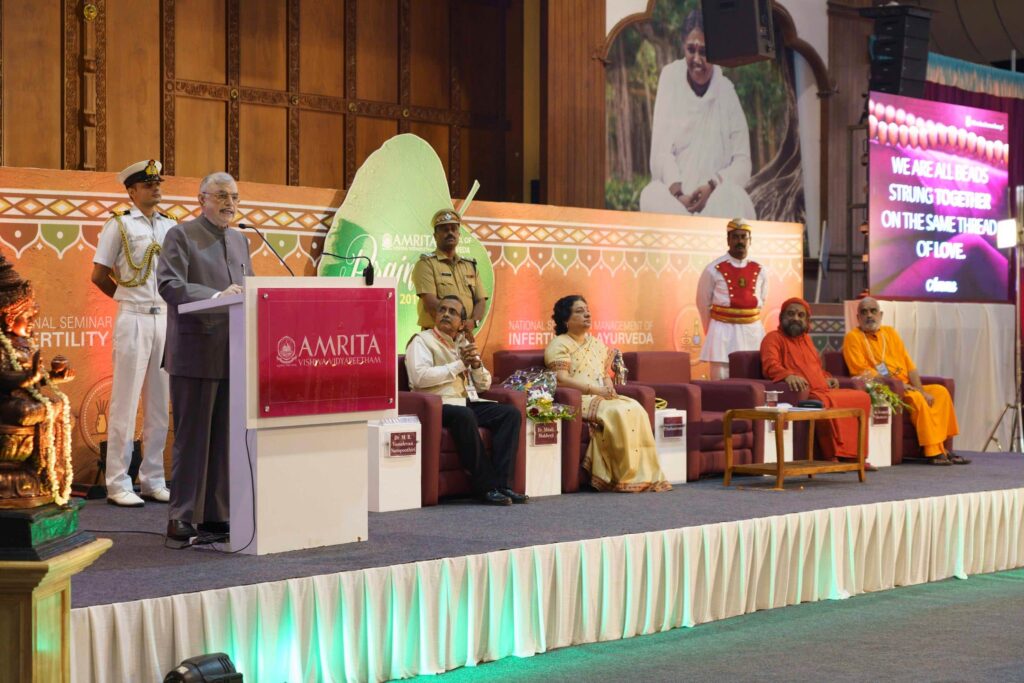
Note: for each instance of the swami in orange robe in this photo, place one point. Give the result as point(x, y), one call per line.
point(788, 355)
point(874, 349)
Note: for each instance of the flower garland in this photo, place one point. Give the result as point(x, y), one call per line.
point(61, 490)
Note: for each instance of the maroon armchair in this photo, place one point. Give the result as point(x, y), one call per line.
point(575, 439)
point(442, 471)
point(705, 403)
point(904, 435)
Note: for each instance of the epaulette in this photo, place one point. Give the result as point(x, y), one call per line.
point(428, 256)
point(122, 212)
point(161, 213)
point(471, 260)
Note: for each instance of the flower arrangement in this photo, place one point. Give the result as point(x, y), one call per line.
point(882, 396)
point(539, 385)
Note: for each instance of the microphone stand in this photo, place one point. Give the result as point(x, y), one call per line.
point(367, 271)
point(272, 250)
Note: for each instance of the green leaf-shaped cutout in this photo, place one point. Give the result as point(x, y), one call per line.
point(386, 217)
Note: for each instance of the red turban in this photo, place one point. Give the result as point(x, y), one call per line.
point(794, 300)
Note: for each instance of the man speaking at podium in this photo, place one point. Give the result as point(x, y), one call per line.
point(201, 259)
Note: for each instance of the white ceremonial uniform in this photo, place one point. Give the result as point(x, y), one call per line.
point(722, 338)
point(139, 333)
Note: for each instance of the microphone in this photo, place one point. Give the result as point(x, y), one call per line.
point(272, 250)
point(367, 271)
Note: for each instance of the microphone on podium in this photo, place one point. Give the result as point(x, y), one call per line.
point(367, 271)
point(243, 226)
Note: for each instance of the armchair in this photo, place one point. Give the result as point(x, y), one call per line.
point(575, 439)
point(904, 435)
point(705, 403)
point(442, 471)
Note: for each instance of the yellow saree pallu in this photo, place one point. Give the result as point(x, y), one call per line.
point(622, 454)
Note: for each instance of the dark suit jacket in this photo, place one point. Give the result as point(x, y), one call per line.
point(198, 260)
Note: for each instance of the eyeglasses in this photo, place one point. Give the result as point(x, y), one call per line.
point(222, 197)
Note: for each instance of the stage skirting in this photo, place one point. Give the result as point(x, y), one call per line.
point(429, 617)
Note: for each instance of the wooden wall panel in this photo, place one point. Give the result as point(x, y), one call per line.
point(279, 91)
point(263, 143)
point(480, 40)
point(201, 142)
point(33, 76)
point(371, 134)
point(200, 52)
point(572, 106)
point(479, 148)
point(322, 149)
point(849, 66)
point(430, 62)
point(322, 48)
point(376, 47)
point(437, 136)
point(133, 125)
point(263, 33)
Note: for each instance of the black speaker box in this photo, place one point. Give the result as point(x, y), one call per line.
point(899, 49)
point(738, 32)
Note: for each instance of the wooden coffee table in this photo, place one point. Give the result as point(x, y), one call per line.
point(810, 466)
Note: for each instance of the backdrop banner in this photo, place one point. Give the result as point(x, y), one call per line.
point(638, 271)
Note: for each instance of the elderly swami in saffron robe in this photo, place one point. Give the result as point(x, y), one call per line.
point(700, 146)
point(874, 349)
point(788, 355)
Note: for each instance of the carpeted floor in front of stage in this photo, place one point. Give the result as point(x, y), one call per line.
point(140, 566)
point(951, 630)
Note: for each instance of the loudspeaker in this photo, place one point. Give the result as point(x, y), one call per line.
point(738, 32)
point(899, 49)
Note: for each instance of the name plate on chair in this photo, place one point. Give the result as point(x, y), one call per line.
point(545, 433)
point(673, 427)
point(880, 415)
point(402, 444)
point(325, 350)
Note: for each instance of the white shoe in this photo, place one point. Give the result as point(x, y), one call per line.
point(158, 495)
point(125, 499)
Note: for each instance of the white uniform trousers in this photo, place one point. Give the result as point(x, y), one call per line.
point(138, 352)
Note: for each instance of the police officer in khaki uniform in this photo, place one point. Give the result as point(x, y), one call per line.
point(443, 272)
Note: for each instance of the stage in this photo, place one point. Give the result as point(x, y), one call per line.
point(462, 583)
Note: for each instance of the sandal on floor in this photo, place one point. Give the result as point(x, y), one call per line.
point(941, 459)
point(958, 459)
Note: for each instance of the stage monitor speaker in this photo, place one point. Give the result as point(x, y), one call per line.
point(738, 32)
point(899, 49)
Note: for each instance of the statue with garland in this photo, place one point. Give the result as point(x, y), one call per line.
point(35, 417)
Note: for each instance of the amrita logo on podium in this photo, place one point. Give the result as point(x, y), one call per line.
point(331, 351)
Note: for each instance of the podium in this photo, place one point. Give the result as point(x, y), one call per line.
point(312, 359)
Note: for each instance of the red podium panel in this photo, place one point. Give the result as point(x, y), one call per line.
point(325, 351)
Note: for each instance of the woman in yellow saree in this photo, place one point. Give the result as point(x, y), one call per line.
point(621, 455)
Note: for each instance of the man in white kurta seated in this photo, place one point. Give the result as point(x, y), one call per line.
point(700, 145)
point(731, 294)
point(443, 361)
